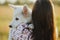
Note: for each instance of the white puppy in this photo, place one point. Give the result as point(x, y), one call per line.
point(22, 14)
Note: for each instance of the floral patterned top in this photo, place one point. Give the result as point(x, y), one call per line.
point(22, 32)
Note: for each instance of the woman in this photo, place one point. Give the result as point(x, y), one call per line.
point(43, 21)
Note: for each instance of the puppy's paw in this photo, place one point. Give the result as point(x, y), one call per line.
point(31, 26)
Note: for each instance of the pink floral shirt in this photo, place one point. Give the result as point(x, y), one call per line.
point(22, 32)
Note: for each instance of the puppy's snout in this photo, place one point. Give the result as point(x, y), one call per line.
point(10, 26)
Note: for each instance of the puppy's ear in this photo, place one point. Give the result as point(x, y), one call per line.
point(25, 9)
point(12, 6)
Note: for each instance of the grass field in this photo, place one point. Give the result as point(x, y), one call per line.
point(6, 14)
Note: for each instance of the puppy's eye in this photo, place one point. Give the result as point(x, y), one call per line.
point(17, 19)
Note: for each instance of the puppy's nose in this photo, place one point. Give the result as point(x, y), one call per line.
point(10, 26)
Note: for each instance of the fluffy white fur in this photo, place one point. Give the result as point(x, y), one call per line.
point(20, 14)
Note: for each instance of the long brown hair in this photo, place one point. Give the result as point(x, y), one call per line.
point(43, 20)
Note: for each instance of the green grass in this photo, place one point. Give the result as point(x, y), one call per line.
point(58, 23)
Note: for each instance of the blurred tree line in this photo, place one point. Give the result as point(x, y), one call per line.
point(5, 2)
point(56, 2)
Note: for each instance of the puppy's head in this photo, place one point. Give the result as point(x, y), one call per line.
point(22, 14)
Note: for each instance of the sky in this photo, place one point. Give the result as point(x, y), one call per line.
point(2, 1)
point(12, 1)
point(32, 0)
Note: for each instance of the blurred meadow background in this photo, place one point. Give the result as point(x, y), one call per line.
point(6, 14)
